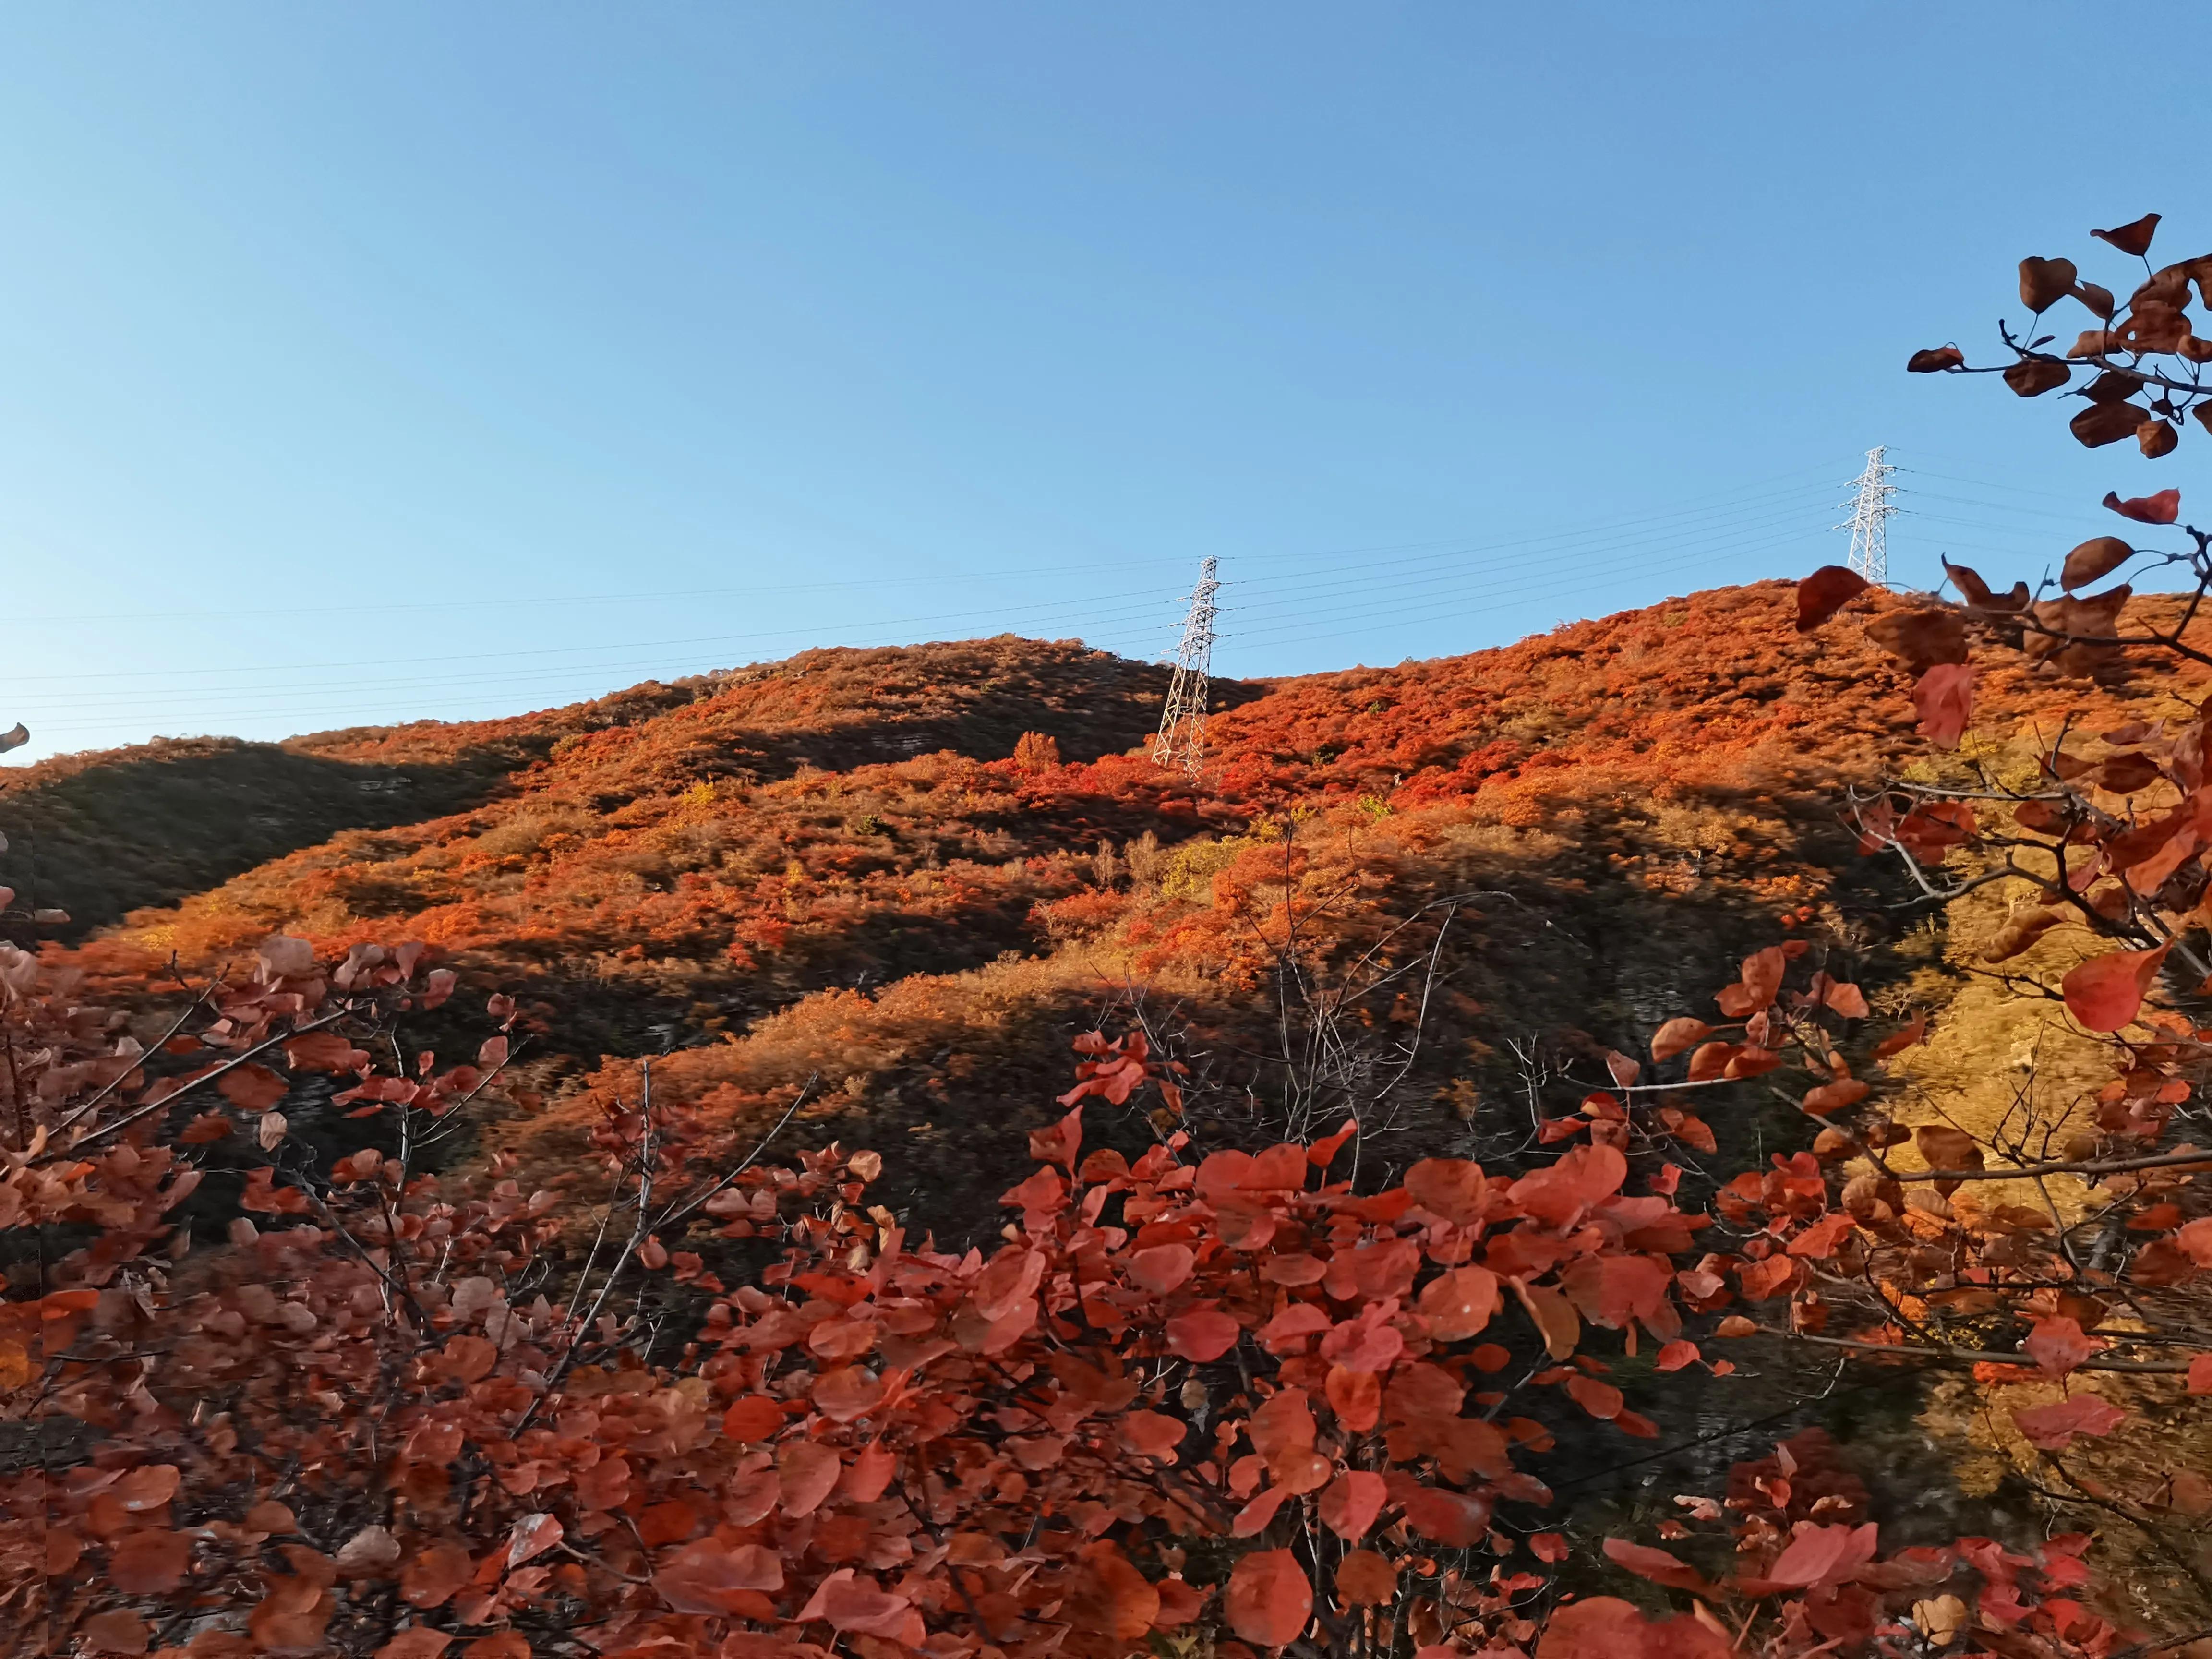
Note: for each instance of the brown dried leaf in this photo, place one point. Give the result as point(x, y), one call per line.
point(2031, 377)
point(2106, 423)
point(2134, 237)
point(2044, 283)
point(2094, 560)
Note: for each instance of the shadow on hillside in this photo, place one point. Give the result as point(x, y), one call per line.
point(152, 825)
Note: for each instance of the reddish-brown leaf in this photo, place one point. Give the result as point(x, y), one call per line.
point(2044, 283)
point(2058, 1344)
point(848, 1394)
point(1658, 1565)
point(2133, 238)
point(1933, 360)
point(1677, 1035)
point(149, 1563)
point(1270, 1600)
point(1203, 1335)
point(1364, 1579)
point(2053, 1427)
point(252, 1088)
point(2031, 377)
point(1944, 698)
point(1162, 1268)
point(1601, 1400)
point(2098, 424)
point(1825, 593)
point(1451, 1188)
point(2095, 560)
point(807, 1470)
point(2105, 993)
point(2164, 507)
point(711, 1577)
point(1353, 1499)
point(1110, 1597)
point(1459, 1302)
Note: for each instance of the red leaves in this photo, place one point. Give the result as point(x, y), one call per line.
point(711, 1577)
point(1677, 1035)
point(1365, 1579)
point(1356, 1397)
point(1660, 1566)
point(2133, 238)
point(2105, 993)
point(1820, 1555)
point(292, 1617)
point(2096, 559)
point(1162, 1269)
point(1945, 698)
point(1825, 593)
point(1110, 1597)
point(149, 1563)
point(1831, 1098)
point(2052, 1428)
point(252, 1088)
point(1203, 1335)
point(752, 1417)
point(848, 1394)
point(1821, 1241)
point(1557, 1194)
point(1351, 1503)
point(1450, 1187)
point(1757, 983)
point(2164, 507)
point(1459, 1302)
point(2057, 1345)
point(1270, 1600)
point(1601, 1400)
point(848, 1602)
point(1060, 1143)
point(1450, 1518)
point(806, 1472)
point(532, 1536)
point(431, 1574)
point(1120, 1069)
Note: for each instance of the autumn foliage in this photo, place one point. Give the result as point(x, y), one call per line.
point(1284, 1336)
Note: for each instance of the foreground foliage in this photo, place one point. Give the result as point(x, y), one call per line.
point(290, 1363)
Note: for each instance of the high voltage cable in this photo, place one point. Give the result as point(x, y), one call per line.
point(1694, 505)
point(1018, 610)
point(1739, 514)
point(596, 688)
point(1493, 595)
point(1739, 536)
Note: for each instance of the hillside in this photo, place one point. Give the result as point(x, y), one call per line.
point(852, 889)
point(833, 866)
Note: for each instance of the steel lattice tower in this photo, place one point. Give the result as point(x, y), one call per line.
point(1181, 740)
point(1869, 523)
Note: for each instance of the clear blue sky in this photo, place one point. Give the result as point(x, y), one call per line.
point(361, 361)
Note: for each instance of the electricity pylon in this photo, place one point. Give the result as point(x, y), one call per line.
point(1181, 740)
point(1869, 523)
